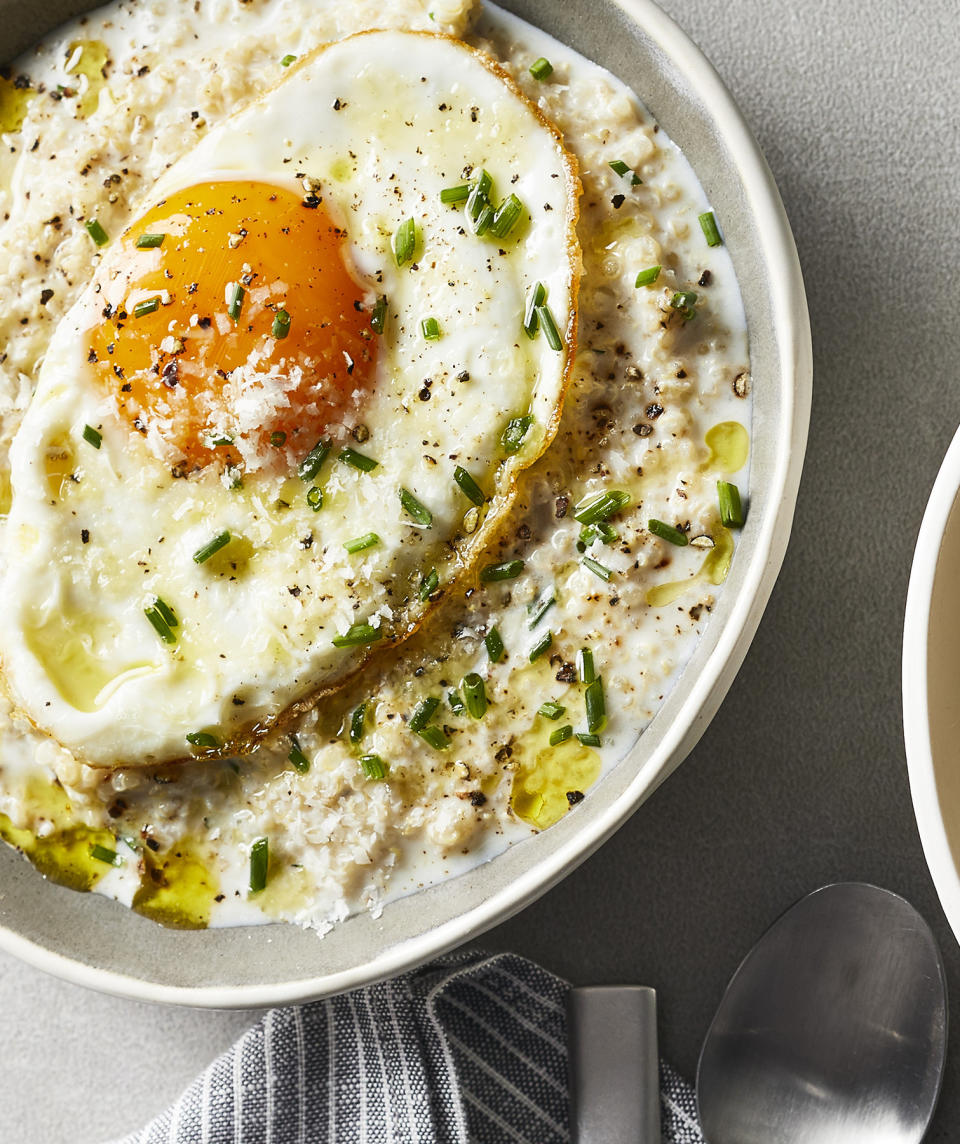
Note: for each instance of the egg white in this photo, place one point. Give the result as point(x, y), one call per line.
point(383, 121)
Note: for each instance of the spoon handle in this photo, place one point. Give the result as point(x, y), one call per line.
point(614, 1065)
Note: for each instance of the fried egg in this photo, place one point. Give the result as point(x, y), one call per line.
point(292, 404)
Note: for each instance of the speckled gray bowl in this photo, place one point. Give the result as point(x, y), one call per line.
point(92, 941)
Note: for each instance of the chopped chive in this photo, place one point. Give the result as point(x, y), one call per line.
point(259, 861)
point(166, 612)
point(435, 737)
point(150, 241)
point(315, 498)
point(430, 328)
point(405, 241)
point(378, 318)
point(508, 570)
point(429, 584)
point(281, 324)
point(550, 331)
point(361, 543)
point(373, 767)
point(456, 703)
point(455, 194)
point(147, 306)
point(203, 554)
point(358, 635)
point(102, 854)
point(297, 759)
point(538, 609)
point(493, 642)
point(561, 734)
point(541, 646)
point(357, 460)
point(597, 568)
point(278, 438)
point(92, 437)
point(468, 486)
point(595, 705)
point(684, 301)
point(647, 277)
point(598, 531)
point(600, 506)
point(588, 739)
point(474, 695)
point(484, 220)
point(218, 442)
point(623, 170)
point(731, 510)
point(202, 739)
point(312, 462)
point(585, 668)
point(711, 232)
point(536, 297)
point(358, 719)
point(420, 513)
point(551, 710)
point(160, 625)
point(423, 713)
point(237, 294)
point(541, 69)
point(96, 232)
point(507, 216)
point(516, 429)
point(667, 532)
point(479, 196)
point(287, 61)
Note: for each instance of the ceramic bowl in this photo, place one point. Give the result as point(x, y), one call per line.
point(95, 942)
point(931, 683)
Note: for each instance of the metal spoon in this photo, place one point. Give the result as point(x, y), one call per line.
point(833, 1028)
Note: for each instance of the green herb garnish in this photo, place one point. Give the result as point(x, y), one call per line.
point(420, 513)
point(259, 861)
point(561, 735)
point(667, 532)
point(313, 461)
point(362, 543)
point(373, 767)
point(96, 232)
point(357, 460)
point(405, 241)
point(92, 436)
point(731, 509)
point(358, 635)
point(202, 555)
point(493, 642)
point(508, 570)
point(647, 277)
point(150, 241)
point(468, 486)
point(541, 69)
point(281, 324)
point(474, 694)
point(711, 232)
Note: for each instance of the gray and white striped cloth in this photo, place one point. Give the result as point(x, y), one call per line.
point(468, 1050)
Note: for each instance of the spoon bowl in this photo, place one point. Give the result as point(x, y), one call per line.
point(832, 1029)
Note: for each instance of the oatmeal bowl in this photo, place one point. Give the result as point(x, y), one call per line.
point(403, 412)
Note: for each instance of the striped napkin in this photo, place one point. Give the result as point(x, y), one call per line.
point(468, 1050)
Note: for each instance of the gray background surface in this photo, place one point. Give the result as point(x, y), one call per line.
point(801, 778)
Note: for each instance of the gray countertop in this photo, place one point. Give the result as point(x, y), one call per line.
point(801, 778)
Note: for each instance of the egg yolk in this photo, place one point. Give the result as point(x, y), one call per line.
point(230, 313)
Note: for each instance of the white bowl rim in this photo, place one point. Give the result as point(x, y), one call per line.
point(791, 331)
point(916, 707)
